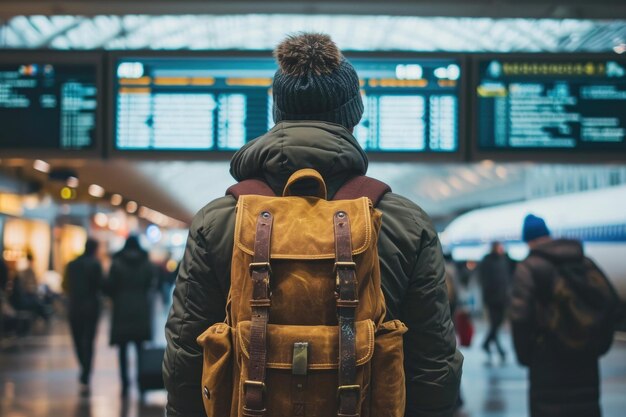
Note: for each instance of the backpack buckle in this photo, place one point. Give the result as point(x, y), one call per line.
point(259, 384)
point(260, 266)
point(344, 265)
point(343, 388)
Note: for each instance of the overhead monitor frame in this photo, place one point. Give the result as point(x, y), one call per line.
point(69, 58)
point(459, 155)
point(550, 155)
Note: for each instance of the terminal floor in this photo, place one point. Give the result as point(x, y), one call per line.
point(38, 378)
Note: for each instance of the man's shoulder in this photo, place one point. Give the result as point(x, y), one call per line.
point(213, 213)
point(407, 213)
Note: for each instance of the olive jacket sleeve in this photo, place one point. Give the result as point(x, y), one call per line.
point(199, 301)
point(413, 282)
point(432, 362)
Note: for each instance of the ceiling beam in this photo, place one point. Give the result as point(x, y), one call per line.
point(599, 9)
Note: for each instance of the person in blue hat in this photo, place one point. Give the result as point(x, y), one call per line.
point(563, 312)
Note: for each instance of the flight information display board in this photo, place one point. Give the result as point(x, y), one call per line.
point(49, 102)
point(176, 103)
point(534, 103)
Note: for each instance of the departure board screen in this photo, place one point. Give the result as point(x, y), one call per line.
point(556, 103)
point(47, 105)
point(220, 103)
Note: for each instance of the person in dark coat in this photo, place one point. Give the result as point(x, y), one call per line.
point(317, 103)
point(561, 384)
point(129, 284)
point(83, 283)
point(495, 275)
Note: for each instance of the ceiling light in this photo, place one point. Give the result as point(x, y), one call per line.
point(455, 182)
point(501, 172)
point(116, 199)
point(444, 190)
point(96, 191)
point(72, 182)
point(620, 48)
point(41, 166)
point(470, 176)
point(68, 193)
point(131, 207)
point(487, 163)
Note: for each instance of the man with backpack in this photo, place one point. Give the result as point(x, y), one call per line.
point(563, 313)
point(317, 289)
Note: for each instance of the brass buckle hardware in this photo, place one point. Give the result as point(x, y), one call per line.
point(344, 265)
point(254, 384)
point(342, 388)
point(258, 266)
point(300, 360)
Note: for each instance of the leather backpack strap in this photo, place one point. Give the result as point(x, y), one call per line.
point(349, 392)
point(254, 386)
point(253, 186)
point(362, 186)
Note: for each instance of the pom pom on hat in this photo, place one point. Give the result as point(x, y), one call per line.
point(308, 53)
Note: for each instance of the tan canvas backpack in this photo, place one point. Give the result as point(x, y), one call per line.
point(304, 333)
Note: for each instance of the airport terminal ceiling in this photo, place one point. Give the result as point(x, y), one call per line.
point(442, 189)
point(602, 9)
point(351, 32)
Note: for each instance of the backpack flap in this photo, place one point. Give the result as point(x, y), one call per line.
point(308, 224)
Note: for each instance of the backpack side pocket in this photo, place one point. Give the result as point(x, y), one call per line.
point(217, 369)
point(388, 392)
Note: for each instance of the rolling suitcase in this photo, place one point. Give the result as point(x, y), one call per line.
point(150, 374)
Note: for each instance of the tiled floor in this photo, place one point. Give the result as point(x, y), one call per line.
point(38, 378)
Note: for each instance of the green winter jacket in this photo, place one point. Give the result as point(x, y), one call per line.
point(412, 270)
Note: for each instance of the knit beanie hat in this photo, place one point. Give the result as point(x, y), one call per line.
point(534, 228)
point(315, 82)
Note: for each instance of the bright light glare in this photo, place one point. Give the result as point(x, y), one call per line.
point(96, 191)
point(116, 199)
point(130, 70)
point(72, 182)
point(409, 72)
point(131, 207)
point(41, 166)
point(101, 219)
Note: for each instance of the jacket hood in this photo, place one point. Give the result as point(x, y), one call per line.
point(326, 147)
point(560, 250)
point(132, 256)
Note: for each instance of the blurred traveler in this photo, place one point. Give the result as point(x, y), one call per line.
point(4, 275)
point(494, 273)
point(82, 282)
point(25, 297)
point(452, 282)
point(460, 317)
point(130, 281)
point(317, 104)
point(563, 313)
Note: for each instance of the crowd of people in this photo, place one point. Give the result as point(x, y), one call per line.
point(130, 285)
point(562, 309)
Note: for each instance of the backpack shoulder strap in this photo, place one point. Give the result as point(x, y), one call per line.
point(362, 186)
point(252, 186)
